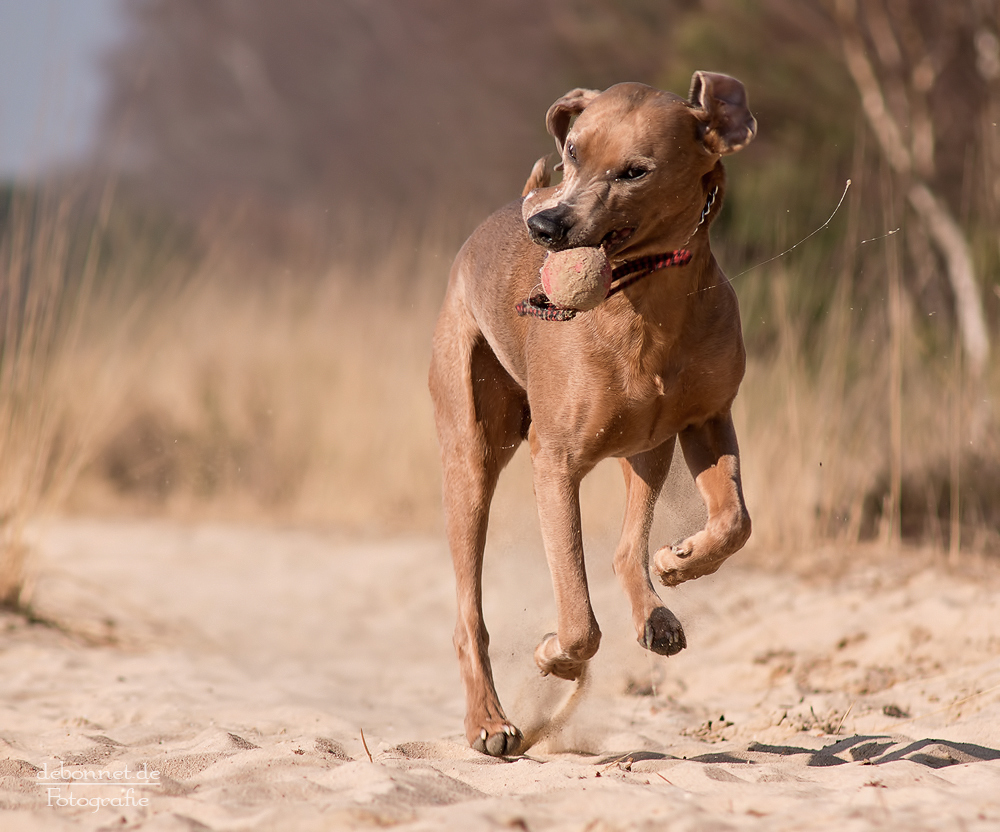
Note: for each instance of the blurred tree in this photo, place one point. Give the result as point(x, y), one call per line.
point(425, 107)
point(924, 72)
point(359, 115)
point(924, 77)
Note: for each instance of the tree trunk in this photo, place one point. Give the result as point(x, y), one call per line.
point(933, 214)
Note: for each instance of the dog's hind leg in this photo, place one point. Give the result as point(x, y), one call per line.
point(657, 628)
point(481, 418)
point(712, 454)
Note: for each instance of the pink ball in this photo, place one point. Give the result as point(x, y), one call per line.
point(577, 278)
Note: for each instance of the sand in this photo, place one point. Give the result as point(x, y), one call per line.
point(240, 666)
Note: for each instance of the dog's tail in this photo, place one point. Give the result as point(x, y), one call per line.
point(539, 177)
point(550, 726)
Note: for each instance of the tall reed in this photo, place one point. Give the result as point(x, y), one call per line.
point(68, 316)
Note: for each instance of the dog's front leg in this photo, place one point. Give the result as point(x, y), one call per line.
point(557, 494)
point(712, 454)
point(657, 628)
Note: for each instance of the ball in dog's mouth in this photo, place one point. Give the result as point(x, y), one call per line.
point(577, 278)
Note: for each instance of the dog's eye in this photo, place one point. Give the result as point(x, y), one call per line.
point(632, 173)
point(571, 150)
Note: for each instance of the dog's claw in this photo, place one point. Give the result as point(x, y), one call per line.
point(663, 633)
point(504, 743)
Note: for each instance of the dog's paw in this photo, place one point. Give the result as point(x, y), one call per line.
point(671, 563)
point(550, 658)
point(687, 560)
point(505, 742)
point(663, 633)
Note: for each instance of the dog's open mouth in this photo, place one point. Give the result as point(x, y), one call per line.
point(614, 240)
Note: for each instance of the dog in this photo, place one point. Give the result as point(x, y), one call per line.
point(658, 361)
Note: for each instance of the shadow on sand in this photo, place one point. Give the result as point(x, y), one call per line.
point(871, 750)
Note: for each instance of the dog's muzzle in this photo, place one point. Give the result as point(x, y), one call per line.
point(549, 228)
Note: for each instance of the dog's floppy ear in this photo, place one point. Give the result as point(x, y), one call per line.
point(720, 103)
point(561, 113)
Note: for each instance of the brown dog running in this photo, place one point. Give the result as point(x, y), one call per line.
point(661, 360)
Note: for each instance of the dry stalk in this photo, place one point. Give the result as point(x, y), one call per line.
point(905, 160)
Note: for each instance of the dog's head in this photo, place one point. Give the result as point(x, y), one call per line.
point(638, 164)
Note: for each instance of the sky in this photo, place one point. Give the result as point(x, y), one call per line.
point(50, 84)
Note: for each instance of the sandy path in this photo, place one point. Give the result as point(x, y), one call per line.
point(246, 662)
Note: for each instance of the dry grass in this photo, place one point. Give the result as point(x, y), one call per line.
point(68, 351)
point(288, 395)
point(248, 391)
point(872, 439)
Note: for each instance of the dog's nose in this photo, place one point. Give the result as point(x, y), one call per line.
point(548, 228)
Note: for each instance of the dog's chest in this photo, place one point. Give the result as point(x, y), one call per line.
point(648, 401)
point(620, 414)
point(623, 385)
point(661, 404)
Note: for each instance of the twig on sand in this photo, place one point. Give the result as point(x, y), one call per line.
point(841, 725)
point(365, 744)
point(628, 759)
